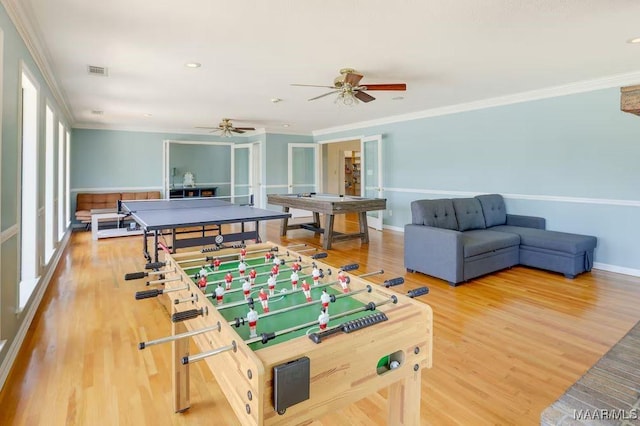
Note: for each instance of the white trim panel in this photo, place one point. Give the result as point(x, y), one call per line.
point(8, 233)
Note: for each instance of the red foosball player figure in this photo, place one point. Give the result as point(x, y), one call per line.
point(243, 253)
point(252, 276)
point(295, 266)
point(219, 294)
point(242, 267)
point(216, 263)
point(264, 299)
point(228, 279)
point(323, 319)
point(267, 257)
point(271, 282)
point(306, 289)
point(325, 299)
point(275, 270)
point(252, 317)
point(315, 273)
point(342, 279)
point(202, 282)
point(246, 289)
point(294, 280)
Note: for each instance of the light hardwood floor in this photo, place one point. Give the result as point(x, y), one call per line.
point(505, 346)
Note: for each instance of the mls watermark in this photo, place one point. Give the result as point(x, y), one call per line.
point(606, 414)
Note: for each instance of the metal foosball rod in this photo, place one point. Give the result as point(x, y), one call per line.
point(260, 285)
point(193, 358)
point(193, 298)
point(166, 280)
point(169, 339)
point(261, 274)
point(210, 258)
point(265, 337)
point(261, 265)
point(240, 321)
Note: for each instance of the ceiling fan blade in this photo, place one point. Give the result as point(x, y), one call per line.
point(313, 85)
point(244, 128)
point(326, 94)
point(236, 130)
point(207, 128)
point(399, 86)
point(353, 79)
point(364, 97)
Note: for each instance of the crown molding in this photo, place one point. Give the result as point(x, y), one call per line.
point(531, 95)
point(22, 19)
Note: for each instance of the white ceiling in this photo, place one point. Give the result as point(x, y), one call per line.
point(447, 52)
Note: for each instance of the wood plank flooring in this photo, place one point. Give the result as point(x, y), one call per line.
point(505, 345)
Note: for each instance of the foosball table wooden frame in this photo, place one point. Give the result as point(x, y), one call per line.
point(342, 369)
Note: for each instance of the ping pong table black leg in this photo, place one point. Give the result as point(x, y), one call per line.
point(258, 239)
point(155, 244)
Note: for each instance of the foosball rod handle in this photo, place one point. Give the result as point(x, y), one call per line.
point(187, 315)
point(148, 294)
point(154, 265)
point(420, 291)
point(135, 275)
point(319, 255)
point(317, 337)
point(393, 282)
point(350, 267)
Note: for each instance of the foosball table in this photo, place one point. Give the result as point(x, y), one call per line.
point(288, 337)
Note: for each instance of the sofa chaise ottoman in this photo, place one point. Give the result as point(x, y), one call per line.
point(463, 238)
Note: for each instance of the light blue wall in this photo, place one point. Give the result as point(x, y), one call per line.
point(208, 163)
point(579, 147)
point(14, 54)
point(277, 147)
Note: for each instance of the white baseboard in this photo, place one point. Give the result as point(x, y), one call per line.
point(616, 269)
point(9, 359)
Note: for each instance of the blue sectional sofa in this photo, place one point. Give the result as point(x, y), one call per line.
point(457, 239)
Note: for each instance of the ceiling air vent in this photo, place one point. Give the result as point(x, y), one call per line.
point(94, 70)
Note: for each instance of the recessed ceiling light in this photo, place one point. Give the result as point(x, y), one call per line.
point(148, 115)
point(634, 40)
point(286, 125)
point(97, 112)
point(276, 100)
point(193, 65)
point(397, 98)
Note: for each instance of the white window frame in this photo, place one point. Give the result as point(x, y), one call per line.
point(61, 182)
point(49, 182)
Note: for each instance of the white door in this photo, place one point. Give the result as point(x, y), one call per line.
point(242, 174)
point(371, 175)
point(302, 172)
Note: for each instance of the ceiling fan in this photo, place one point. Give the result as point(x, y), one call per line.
point(226, 128)
point(350, 91)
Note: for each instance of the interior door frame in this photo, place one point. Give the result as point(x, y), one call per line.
point(373, 221)
point(250, 168)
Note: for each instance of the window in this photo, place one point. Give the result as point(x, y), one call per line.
point(29, 190)
point(61, 182)
point(49, 206)
point(67, 167)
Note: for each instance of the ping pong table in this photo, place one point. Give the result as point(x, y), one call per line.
point(155, 217)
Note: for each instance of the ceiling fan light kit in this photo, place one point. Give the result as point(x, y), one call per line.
point(350, 92)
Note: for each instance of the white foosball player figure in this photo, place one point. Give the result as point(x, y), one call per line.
point(306, 289)
point(242, 268)
point(219, 294)
point(294, 280)
point(264, 300)
point(271, 283)
point(252, 276)
point(323, 319)
point(315, 273)
point(325, 299)
point(203, 271)
point(342, 279)
point(246, 289)
point(252, 317)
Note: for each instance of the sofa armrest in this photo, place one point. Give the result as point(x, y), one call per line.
point(434, 251)
point(526, 221)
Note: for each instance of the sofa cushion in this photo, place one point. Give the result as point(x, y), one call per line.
point(468, 213)
point(551, 240)
point(482, 241)
point(493, 209)
point(436, 213)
